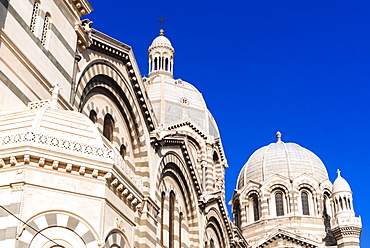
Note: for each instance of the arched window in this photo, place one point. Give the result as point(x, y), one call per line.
point(305, 205)
point(122, 151)
point(212, 244)
point(254, 205)
point(166, 64)
point(325, 206)
point(93, 116)
point(256, 212)
point(181, 217)
point(162, 217)
point(45, 29)
point(35, 15)
point(108, 127)
point(172, 221)
point(155, 63)
point(237, 217)
point(279, 202)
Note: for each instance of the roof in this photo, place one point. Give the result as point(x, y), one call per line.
point(340, 184)
point(287, 159)
point(48, 127)
point(175, 101)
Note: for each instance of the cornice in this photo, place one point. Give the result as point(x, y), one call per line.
point(281, 234)
point(120, 184)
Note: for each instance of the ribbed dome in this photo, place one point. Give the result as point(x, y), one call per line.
point(174, 101)
point(287, 159)
point(55, 124)
point(161, 41)
point(341, 185)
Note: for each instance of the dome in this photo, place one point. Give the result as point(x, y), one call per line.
point(341, 185)
point(161, 41)
point(175, 101)
point(287, 159)
point(51, 127)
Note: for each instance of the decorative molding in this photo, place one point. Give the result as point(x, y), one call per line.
point(341, 232)
point(281, 234)
point(191, 125)
point(38, 104)
point(53, 141)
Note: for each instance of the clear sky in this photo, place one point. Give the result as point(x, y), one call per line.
point(300, 67)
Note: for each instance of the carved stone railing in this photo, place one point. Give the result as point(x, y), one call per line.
point(346, 220)
point(74, 146)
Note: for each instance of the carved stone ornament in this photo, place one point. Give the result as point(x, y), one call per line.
point(119, 224)
point(13, 161)
point(27, 159)
point(55, 165)
point(20, 174)
point(41, 162)
point(82, 170)
point(95, 173)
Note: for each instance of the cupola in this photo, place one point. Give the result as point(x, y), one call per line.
point(342, 197)
point(161, 55)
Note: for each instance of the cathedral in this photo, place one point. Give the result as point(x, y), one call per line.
point(93, 155)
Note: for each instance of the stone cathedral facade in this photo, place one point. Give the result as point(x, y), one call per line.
point(94, 155)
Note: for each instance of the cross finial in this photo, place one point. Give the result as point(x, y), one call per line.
point(278, 136)
point(338, 172)
point(162, 20)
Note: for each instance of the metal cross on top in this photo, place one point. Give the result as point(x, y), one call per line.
point(162, 20)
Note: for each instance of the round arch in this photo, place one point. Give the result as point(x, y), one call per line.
point(214, 236)
point(116, 239)
point(173, 168)
point(77, 230)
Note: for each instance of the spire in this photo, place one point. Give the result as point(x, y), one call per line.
point(338, 172)
point(161, 32)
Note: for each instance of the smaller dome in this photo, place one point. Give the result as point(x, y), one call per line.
point(65, 125)
point(341, 184)
point(161, 40)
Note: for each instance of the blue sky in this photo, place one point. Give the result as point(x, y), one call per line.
point(300, 67)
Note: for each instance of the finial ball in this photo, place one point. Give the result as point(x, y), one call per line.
point(278, 136)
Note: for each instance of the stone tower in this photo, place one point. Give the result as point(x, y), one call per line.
point(346, 226)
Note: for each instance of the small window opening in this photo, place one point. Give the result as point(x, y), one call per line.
point(93, 116)
point(279, 204)
point(108, 127)
point(122, 151)
point(305, 205)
